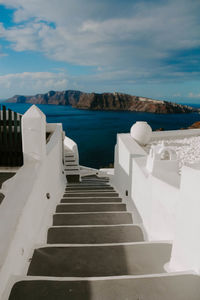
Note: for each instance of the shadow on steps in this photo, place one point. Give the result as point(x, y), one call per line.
point(107, 260)
point(164, 287)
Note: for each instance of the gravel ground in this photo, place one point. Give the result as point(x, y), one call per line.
point(187, 149)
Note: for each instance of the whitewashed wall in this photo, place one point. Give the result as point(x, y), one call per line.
point(186, 245)
point(156, 201)
point(167, 203)
point(153, 196)
point(125, 150)
point(26, 213)
point(69, 144)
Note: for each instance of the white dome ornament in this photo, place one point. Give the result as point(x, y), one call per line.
point(141, 132)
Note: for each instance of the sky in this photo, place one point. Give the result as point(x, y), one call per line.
point(146, 48)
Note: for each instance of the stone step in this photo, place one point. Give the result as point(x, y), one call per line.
point(88, 188)
point(82, 185)
point(94, 180)
point(69, 167)
point(95, 177)
point(72, 172)
point(87, 184)
point(93, 207)
point(73, 178)
point(86, 178)
point(95, 183)
point(158, 287)
point(90, 200)
point(94, 261)
point(69, 159)
point(98, 218)
point(70, 163)
point(91, 194)
point(94, 234)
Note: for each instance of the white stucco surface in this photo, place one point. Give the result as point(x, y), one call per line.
point(70, 145)
point(25, 213)
point(151, 194)
point(186, 246)
point(34, 134)
point(166, 200)
point(126, 150)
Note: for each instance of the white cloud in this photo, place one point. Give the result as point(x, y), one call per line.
point(119, 38)
point(193, 95)
point(23, 37)
point(30, 83)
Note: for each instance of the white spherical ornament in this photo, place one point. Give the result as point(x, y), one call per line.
point(141, 132)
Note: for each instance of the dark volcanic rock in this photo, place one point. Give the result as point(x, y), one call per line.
point(105, 101)
point(117, 101)
point(160, 129)
point(18, 99)
point(195, 125)
point(52, 97)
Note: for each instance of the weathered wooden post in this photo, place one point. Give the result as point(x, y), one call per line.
point(34, 134)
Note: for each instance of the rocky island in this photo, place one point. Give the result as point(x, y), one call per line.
point(104, 101)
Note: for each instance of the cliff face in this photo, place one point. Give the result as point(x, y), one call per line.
point(58, 98)
point(116, 101)
point(105, 101)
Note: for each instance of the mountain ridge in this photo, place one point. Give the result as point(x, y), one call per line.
point(104, 101)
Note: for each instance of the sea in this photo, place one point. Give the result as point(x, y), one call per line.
point(95, 132)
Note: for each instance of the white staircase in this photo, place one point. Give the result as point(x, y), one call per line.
point(94, 251)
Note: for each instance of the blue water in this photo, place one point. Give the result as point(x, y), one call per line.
point(95, 131)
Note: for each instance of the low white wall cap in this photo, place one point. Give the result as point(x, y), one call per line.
point(34, 113)
point(34, 134)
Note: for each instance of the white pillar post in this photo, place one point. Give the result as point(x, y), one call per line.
point(186, 244)
point(34, 134)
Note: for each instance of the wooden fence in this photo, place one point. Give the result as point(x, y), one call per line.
point(11, 154)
